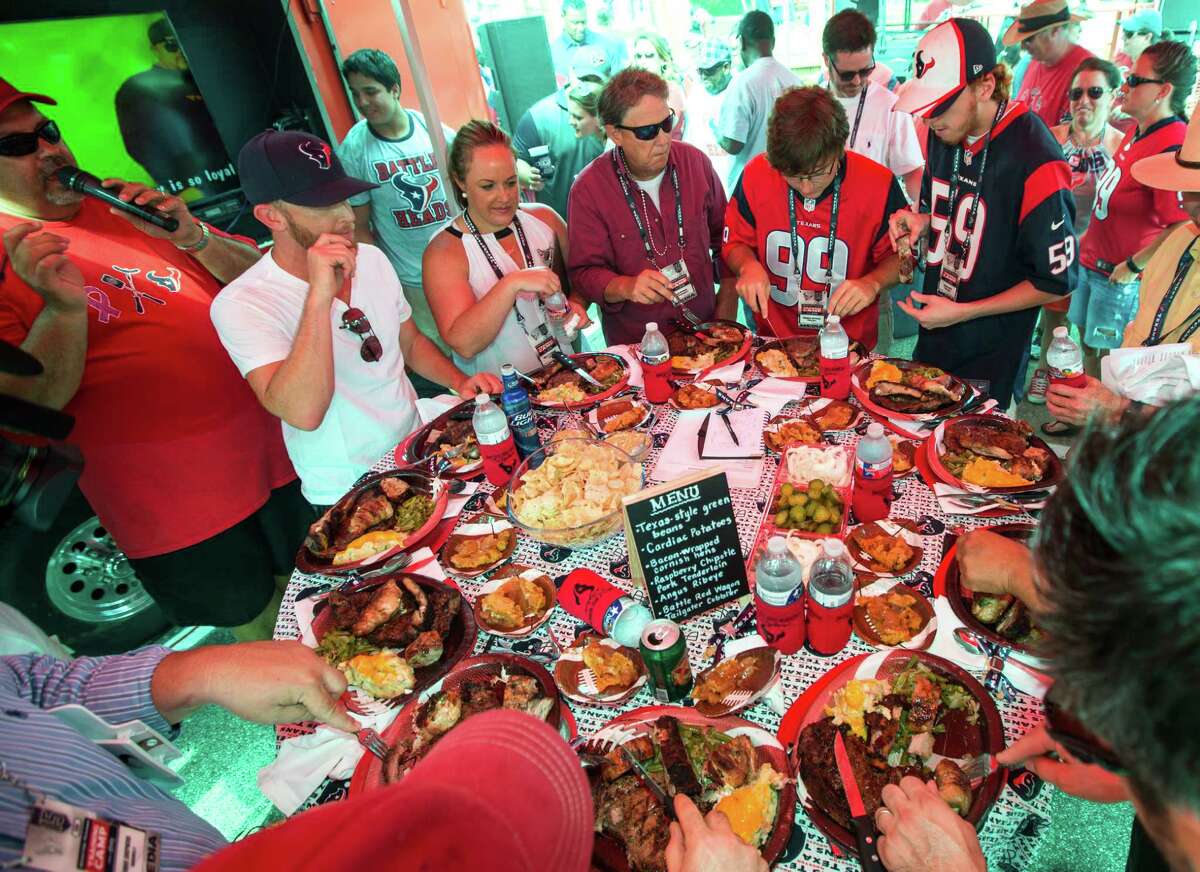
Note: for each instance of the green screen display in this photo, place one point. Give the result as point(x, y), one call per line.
point(161, 135)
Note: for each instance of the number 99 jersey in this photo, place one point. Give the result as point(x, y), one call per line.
point(757, 216)
point(1024, 231)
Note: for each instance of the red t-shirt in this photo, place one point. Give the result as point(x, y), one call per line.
point(1044, 89)
point(758, 216)
point(1127, 215)
point(176, 446)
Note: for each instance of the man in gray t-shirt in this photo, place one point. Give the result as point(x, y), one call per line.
point(742, 126)
point(391, 147)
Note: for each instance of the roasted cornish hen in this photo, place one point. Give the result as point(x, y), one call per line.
point(357, 513)
point(395, 614)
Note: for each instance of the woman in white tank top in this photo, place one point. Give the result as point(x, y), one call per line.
point(488, 271)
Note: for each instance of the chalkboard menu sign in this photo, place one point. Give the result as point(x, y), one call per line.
point(683, 545)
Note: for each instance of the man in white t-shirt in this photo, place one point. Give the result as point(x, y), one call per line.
point(876, 131)
point(390, 147)
point(319, 327)
point(714, 64)
point(742, 127)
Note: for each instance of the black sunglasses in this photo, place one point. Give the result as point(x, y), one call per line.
point(1129, 33)
point(848, 76)
point(1082, 744)
point(170, 44)
point(1095, 92)
point(356, 322)
point(647, 132)
point(1132, 81)
point(21, 144)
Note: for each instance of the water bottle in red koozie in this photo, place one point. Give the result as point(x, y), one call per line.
point(779, 597)
point(835, 360)
point(496, 446)
point(656, 364)
point(1065, 360)
point(830, 599)
point(873, 472)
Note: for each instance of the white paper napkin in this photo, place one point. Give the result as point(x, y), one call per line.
point(748, 424)
point(454, 505)
point(730, 374)
point(429, 408)
point(947, 502)
point(305, 761)
point(773, 394)
point(629, 354)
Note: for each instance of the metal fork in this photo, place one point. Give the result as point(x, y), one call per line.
point(373, 742)
point(979, 767)
point(690, 316)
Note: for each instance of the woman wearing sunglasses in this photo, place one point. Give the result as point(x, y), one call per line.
point(652, 54)
point(489, 270)
point(1088, 142)
point(645, 219)
point(1127, 215)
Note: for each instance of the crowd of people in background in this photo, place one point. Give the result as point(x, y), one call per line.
point(647, 180)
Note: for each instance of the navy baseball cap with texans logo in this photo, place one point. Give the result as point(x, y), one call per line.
point(295, 167)
point(948, 58)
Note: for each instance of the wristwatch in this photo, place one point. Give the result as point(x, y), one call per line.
point(1134, 268)
point(1136, 411)
point(200, 243)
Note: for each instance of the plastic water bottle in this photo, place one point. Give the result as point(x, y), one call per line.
point(1110, 309)
point(779, 597)
point(496, 446)
point(558, 318)
point(515, 401)
point(835, 360)
point(830, 599)
point(1065, 360)
point(656, 364)
point(872, 499)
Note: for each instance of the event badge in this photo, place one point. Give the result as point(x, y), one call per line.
point(543, 343)
point(811, 306)
point(679, 282)
point(64, 838)
point(948, 280)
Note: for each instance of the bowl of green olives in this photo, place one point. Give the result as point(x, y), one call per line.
point(815, 509)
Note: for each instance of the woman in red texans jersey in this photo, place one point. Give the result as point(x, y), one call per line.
point(1128, 215)
point(805, 196)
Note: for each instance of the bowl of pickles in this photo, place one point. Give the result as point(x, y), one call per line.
point(814, 508)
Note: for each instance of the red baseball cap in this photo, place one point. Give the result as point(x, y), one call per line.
point(947, 59)
point(501, 792)
point(10, 94)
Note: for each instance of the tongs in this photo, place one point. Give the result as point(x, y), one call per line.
point(575, 367)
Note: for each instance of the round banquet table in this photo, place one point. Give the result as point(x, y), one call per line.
point(1010, 833)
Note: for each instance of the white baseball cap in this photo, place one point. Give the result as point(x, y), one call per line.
point(947, 59)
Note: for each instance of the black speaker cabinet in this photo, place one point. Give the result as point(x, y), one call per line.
point(518, 52)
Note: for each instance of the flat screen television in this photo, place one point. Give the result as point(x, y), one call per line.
point(128, 106)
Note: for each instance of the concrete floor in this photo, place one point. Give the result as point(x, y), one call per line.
point(222, 756)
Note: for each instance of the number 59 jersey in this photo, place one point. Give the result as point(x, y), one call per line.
point(1127, 215)
point(757, 216)
point(1024, 226)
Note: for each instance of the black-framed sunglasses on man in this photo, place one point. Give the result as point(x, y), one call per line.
point(21, 144)
point(647, 132)
point(848, 75)
point(1095, 92)
point(355, 320)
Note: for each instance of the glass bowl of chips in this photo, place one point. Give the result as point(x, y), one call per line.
point(569, 492)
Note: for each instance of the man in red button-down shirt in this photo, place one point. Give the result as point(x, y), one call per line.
point(627, 244)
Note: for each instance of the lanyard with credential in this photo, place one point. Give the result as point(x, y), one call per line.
point(643, 229)
point(833, 220)
point(862, 99)
point(542, 342)
point(954, 186)
point(1156, 327)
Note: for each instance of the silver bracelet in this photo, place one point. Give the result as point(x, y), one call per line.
point(200, 243)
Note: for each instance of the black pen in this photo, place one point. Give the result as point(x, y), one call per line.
point(729, 427)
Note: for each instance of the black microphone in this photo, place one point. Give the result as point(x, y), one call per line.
point(88, 185)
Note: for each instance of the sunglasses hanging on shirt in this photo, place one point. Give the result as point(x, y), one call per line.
point(355, 320)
